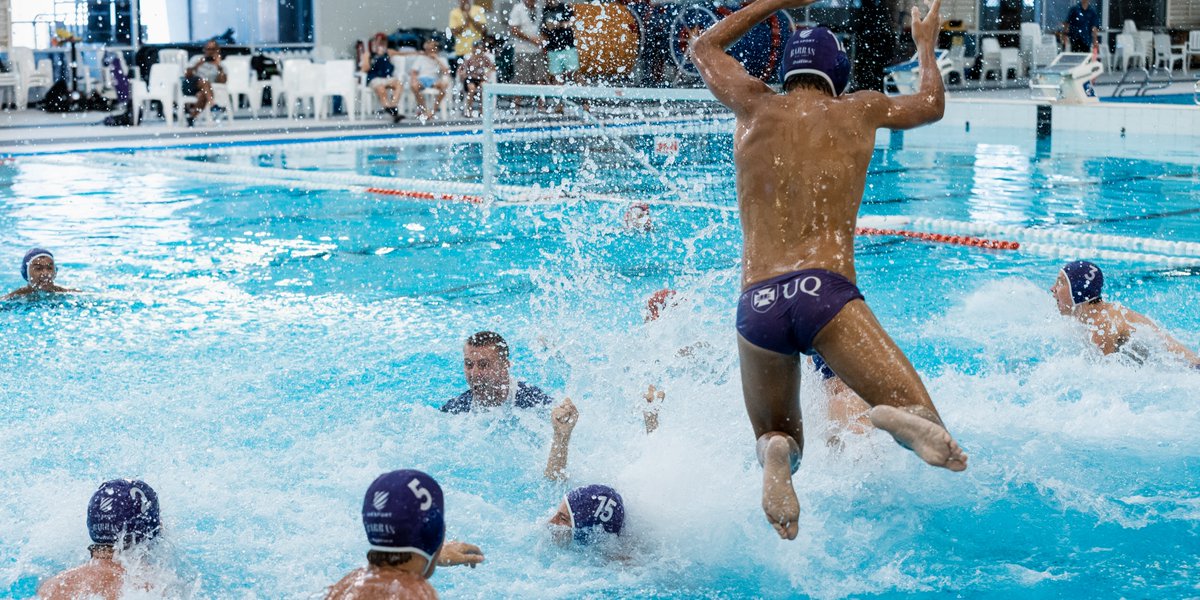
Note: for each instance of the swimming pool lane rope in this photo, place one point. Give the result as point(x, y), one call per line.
point(1027, 235)
point(1057, 243)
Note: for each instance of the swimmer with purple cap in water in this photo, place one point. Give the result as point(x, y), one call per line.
point(589, 514)
point(123, 515)
point(39, 269)
point(801, 159)
point(1078, 290)
point(404, 516)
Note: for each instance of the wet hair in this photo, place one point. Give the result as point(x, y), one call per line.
point(811, 81)
point(378, 558)
point(486, 339)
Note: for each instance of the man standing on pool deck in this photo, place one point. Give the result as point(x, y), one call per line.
point(801, 160)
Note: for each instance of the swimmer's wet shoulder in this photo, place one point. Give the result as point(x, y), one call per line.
point(522, 395)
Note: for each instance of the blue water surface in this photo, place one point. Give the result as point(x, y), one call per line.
point(260, 353)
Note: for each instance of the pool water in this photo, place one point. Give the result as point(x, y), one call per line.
point(259, 354)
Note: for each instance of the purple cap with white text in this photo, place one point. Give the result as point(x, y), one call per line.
point(816, 51)
point(403, 512)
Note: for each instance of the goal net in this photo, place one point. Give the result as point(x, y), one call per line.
point(625, 144)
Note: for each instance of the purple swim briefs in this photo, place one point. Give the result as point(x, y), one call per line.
point(783, 314)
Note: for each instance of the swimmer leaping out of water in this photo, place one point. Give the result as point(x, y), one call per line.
point(802, 159)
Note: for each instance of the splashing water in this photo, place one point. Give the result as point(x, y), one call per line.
point(260, 355)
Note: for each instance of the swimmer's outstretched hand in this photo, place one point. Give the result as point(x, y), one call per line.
point(564, 417)
point(925, 31)
point(455, 553)
point(654, 399)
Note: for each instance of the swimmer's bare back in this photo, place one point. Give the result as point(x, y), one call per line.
point(370, 583)
point(94, 579)
point(802, 159)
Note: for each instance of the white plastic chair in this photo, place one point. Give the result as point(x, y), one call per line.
point(1164, 52)
point(1010, 59)
point(238, 83)
point(163, 86)
point(992, 59)
point(337, 79)
point(1031, 37)
point(301, 82)
point(174, 56)
point(1143, 42)
point(1047, 49)
point(29, 75)
point(1105, 57)
point(958, 62)
point(1191, 49)
point(1127, 53)
point(9, 84)
point(322, 54)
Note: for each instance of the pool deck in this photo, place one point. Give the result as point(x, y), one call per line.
point(36, 132)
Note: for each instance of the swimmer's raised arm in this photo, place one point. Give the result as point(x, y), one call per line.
point(725, 76)
point(654, 399)
point(563, 419)
point(929, 103)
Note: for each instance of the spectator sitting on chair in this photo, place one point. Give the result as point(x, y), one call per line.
point(376, 62)
point(429, 71)
point(477, 69)
point(199, 78)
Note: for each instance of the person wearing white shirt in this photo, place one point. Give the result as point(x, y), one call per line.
point(529, 62)
point(429, 70)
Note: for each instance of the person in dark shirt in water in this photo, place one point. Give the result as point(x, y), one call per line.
point(486, 366)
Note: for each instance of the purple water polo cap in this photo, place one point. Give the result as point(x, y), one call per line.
point(403, 512)
point(1085, 280)
point(595, 509)
point(123, 511)
point(816, 51)
point(29, 256)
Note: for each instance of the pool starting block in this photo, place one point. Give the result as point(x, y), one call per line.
point(906, 76)
point(1068, 79)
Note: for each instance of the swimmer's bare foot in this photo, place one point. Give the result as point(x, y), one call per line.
point(779, 497)
point(927, 439)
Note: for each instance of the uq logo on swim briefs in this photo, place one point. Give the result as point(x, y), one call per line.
point(763, 299)
point(810, 285)
point(380, 500)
